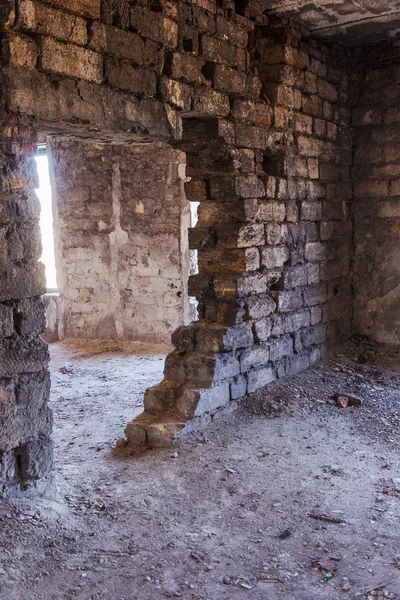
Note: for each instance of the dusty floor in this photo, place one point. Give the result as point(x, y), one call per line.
point(226, 515)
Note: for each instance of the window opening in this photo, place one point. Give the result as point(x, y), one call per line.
point(43, 192)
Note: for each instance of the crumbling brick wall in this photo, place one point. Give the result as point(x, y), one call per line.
point(376, 207)
point(121, 221)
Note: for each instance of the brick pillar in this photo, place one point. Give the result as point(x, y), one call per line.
point(26, 450)
point(203, 373)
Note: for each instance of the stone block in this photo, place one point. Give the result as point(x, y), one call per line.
point(316, 251)
point(274, 257)
point(6, 321)
point(238, 387)
point(326, 90)
point(317, 294)
point(271, 211)
point(293, 322)
point(71, 60)
point(250, 186)
point(19, 355)
point(263, 329)
point(210, 102)
point(177, 93)
point(251, 235)
point(257, 379)
point(83, 8)
point(23, 52)
point(30, 317)
point(226, 79)
point(217, 50)
point(186, 67)
point(124, 76)
point(282, 346)
point(289, 301)
point(261, 305)
point(213, 399)
point(39, 19)
point(254, 358)
point(314, 335)
point(120, 43)
point(297, 363)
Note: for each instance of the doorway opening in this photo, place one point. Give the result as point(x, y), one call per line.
point(120, 218)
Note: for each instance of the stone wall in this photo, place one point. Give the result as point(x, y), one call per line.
point(265, 127)
point(376, 210)
point(121, 221)
point(26, 451)
point(283, 248)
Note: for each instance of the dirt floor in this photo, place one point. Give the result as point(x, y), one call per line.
point(288, 498)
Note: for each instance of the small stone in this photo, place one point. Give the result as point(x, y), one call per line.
point(121, 442)
point(346, 587)
point(174, 455)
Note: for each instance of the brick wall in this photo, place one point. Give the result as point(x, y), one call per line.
point(305, 247)
point(266, 132)
point(25, 421)
point(122, 251)
point(376, 209)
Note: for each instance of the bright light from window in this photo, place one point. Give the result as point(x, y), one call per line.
point(46, 221)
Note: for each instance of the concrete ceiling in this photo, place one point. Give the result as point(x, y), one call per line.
point(351, 22)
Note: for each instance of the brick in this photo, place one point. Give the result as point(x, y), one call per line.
point(125, 76)
point(250, 186)
point(71, 60)
point(294, 321)
point(23, 52)
point(217, 50)
point(281, 347)
point(37, 18)
point(258, 378)
point(122, 44)
point(238, 387)
point(177, 93)
point(262, 329)
point(83, 8)
point(210, 102)
point(289, 301)
point(187, 67)
point(6, 321)
point(254, 358)
point(274, 257)
point(317, 294)
point(229, 80)
point(326, 90)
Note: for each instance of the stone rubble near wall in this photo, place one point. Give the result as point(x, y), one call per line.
point(376, 207)
point(265, 125)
